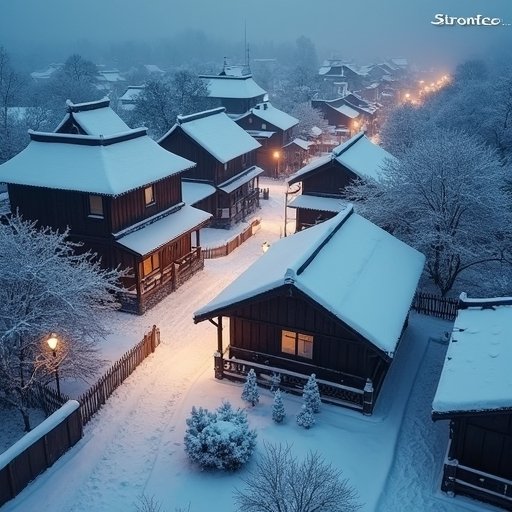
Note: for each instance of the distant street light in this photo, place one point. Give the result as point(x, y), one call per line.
point(277, 156)
point(53, 341)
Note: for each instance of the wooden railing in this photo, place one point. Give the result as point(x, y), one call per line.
point(92, 400)
point(232, 244)
point(435, 305)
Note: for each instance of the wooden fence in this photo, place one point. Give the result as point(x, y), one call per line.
point(95, 397)
point(435, 305)
point(231, 245)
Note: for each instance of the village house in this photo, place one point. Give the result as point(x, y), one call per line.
point(226, 162)
point(301, 309)
point(130, 96)
point(273, 129)
point(118, 192)
point(341, 77)
point(325, 179)
point(475, 395)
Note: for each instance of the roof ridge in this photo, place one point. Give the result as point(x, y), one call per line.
point(484, 303)
point(298, 268)
point(337, 151)
point(199, 115)
point(90, 105)
point(87, 140)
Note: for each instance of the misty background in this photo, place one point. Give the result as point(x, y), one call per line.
point(170, 32)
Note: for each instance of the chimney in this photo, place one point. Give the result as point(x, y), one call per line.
point(265, 106)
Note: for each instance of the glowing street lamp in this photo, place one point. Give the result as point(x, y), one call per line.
point(277, 156)
point(53, 341)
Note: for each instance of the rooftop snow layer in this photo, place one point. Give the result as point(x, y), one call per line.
point(361, 274)
point(476, 374)
point(233, 87)
point(218, 134)
point(240, 179)
point(270, 114)
point(99, 121)
point(132, 93)
point(323, 204)
point(158, 233)
point(69, 162)
point(192, 191)
point(347, 111)
point(312, 166)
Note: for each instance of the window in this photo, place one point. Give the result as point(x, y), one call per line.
point(95, 206)
point(150, 264)
point(149, 196)
point(297, 344)
point(263, 126)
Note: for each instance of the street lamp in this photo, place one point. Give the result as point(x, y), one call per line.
point(53, 341)
point(277, 156)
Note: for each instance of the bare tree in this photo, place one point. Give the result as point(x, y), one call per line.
point(281, 483)
point(45, 287)
point(446, 197)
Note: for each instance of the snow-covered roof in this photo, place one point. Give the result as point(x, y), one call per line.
point(47, 73)
point(94, 118)
point(192, 191)
point(156, 234)
point(361, 156)
point(347, 111)
point(303, 144)
point(270, 114)
point(216, 133)
point(311, 166)
point(323, 204)
point(111, 75)
point(357, 271)
point(153, 68)
point(236, 87)
point(260, 134)
point(110, 165)
point(476, 374)
point(132, 93)
point(240, 179)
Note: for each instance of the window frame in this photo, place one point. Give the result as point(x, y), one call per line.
point(298, 338)
point(152, 199)
point(154, 260)
point(93, 211)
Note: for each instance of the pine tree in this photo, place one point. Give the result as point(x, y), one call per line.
point(275, 382)
point(311, 394)
point(305, 418)
point(278, 412)
point(250, 393)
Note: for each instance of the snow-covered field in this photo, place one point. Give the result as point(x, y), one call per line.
point(134, 445)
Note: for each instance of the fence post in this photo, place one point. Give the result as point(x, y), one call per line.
point(449, 476)
point(153, 338)
point(368, 398)
point(218, 365)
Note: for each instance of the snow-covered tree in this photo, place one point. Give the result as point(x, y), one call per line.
point(163, 100)
point(250, 392)
point(309, 118)
point(446, 197)
point(278, 412)
point(282, 483)
point(275, 382)
point(45, 288)
point(220, 439)
point(311, 394)
point(305, 417)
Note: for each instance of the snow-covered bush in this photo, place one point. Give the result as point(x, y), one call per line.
point(305, 418)
point(275, 382)
point(311, 394)
point(278, 413)
point(251, 393)
point(220, 439)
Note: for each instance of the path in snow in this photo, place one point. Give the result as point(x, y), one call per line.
point(414, 480)
point(131, 430)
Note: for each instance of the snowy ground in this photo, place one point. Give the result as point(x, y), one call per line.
point(134, 445)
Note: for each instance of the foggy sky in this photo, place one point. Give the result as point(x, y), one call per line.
point(359, 29)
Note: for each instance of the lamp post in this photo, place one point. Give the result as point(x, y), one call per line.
point(53, 341)
point(277, 156)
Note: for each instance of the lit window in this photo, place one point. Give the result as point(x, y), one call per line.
point(149, 196)
point(150, 264)
point(297, 344)
point(96, 206)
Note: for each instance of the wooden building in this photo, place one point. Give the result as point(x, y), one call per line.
point(303, 309)
point(475, 395)
point(119, 194)
point(273, 129)
point(341, 76)
point(226, 160)
point(325, 179)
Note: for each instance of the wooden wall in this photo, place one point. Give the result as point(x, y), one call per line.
point(331, 179)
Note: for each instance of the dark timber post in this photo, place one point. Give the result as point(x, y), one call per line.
point(218, 356)
point(368, 398)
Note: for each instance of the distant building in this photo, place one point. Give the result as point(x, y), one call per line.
point(130, 96)
point(341, 76)
point(325, 179)
point(475, 395)
point(226, 160)
point(120, 195)
point(45, 74)
point(319, 302)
